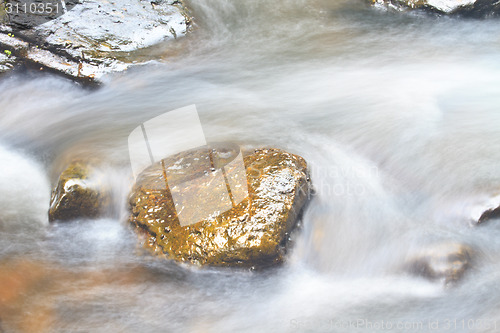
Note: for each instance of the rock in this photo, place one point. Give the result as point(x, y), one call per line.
point(23, 204)
point(21, 50)
point(97, 37)
point(470, 8)
point(486, 211)
point(7, 62)
point(251, 233)
point(19, 280)
point(442, 261)
point(80, 193)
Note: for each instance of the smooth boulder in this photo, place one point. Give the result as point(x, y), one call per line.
point(80, 193)
point(253, 232)
point(487, 210)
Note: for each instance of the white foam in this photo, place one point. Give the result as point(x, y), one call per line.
point(24, 191)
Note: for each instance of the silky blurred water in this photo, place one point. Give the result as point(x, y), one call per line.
point(396, 114)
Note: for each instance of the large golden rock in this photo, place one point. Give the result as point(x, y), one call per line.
point(173, 202)
point(80, 193)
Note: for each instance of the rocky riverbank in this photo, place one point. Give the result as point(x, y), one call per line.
point(94, 38)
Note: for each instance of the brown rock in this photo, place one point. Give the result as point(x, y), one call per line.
point(80, 193)
point(19, 280)
point(252, 232)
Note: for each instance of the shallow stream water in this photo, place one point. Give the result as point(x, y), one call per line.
point(396, 114)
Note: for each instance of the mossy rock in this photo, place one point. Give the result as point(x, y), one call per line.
point(253, 232)
point(80, 193)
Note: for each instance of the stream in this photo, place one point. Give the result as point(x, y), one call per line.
point(396, 114)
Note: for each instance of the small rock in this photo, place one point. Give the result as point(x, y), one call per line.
point(80, 193)
point(252, 232)
point(486, 211)
point(443, 261)
point(470, 8)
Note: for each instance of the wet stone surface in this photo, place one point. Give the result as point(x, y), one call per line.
point(250, 230)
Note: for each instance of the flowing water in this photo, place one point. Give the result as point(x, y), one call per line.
point(396, 114)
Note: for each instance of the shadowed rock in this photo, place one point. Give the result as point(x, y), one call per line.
point(79, 193)
point(489, 214)
point(92, 38)
point(253, 232)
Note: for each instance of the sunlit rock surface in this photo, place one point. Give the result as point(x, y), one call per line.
point(253, 232)
point(96, 37)
point(443, 261)
point(473, 8)
point(80, 193)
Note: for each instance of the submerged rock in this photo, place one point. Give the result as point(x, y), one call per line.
point(80, 193)
point(472, 8)
point(252, 231)
point(443, 261)
point(95, 37)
